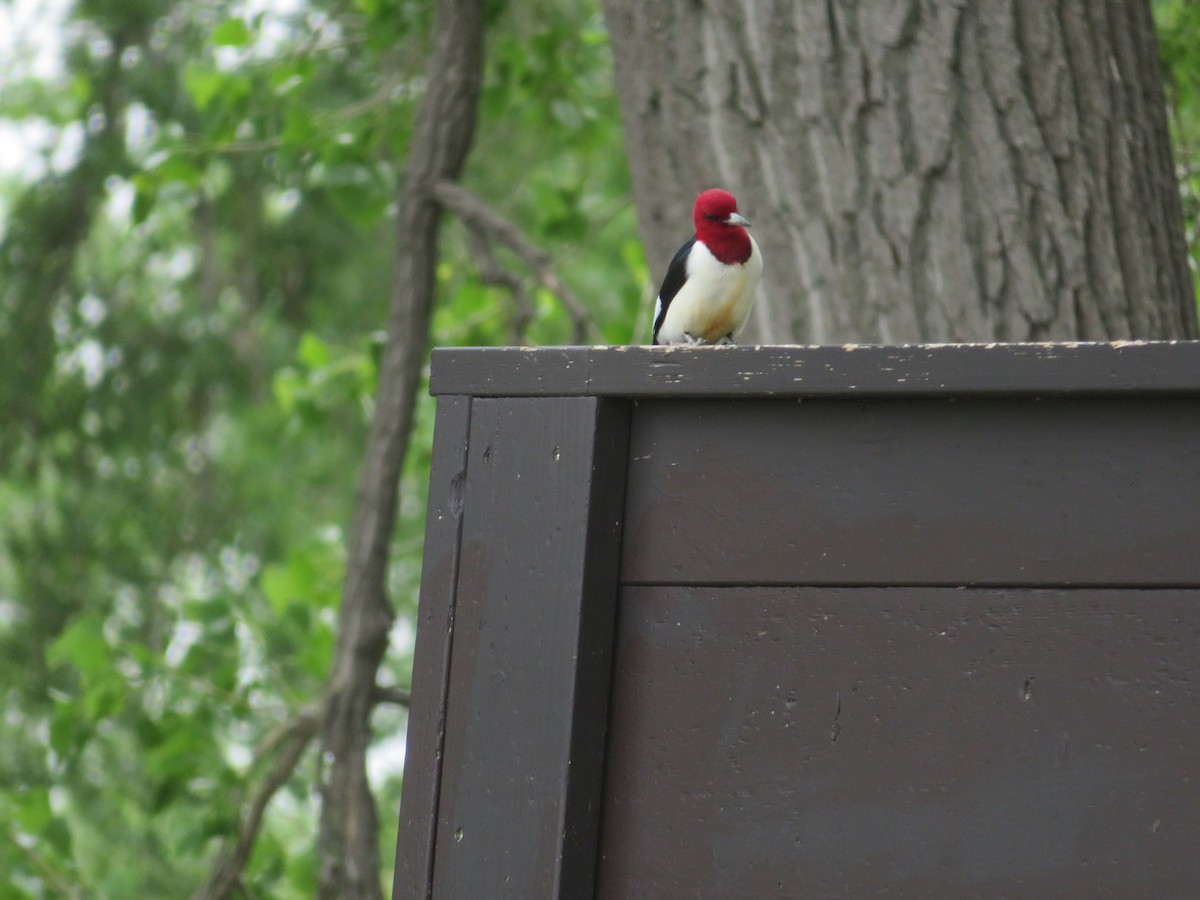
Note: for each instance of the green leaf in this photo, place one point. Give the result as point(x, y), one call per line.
point(69, 730)
point(58, 836)
point(145, 195)
point(313, 351)
point(231, 33)
point(317, 650)
point(288, 386)
point(175, 757)
point(31, 810)
point(362, 205)
point(83, 646)
point(103, 699)
point(202, 83)
point(298, 127)
point(281, 587)
point(178, 168)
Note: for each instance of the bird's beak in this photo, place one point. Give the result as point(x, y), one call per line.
point(735, 219)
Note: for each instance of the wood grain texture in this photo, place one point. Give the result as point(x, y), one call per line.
point(527, 706)
point(928, 370)
point(1004, 492)
point(903, 742)
point(916, 171)
point(431, 656)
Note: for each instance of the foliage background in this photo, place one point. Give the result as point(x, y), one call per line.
point(194, 268)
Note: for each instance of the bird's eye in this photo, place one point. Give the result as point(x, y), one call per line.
point(710, 217)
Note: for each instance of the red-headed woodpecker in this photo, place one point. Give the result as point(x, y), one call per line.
point(709, 288)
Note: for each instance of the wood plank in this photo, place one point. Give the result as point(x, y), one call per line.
point(905, 742)
point(1005, 492)
point(431, 655)
point(1158, 368)
point(511, 371)
point(522, 773)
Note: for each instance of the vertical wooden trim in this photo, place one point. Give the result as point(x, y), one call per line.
point(431, 656)
point(528, 699)
point(596, 641)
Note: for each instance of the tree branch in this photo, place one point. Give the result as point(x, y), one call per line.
point(394, 696)
point(498, 229)
point(442, 134)
point(492, 273)
point(293, 737)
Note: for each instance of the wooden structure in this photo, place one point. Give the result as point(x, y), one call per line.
point(759, 622)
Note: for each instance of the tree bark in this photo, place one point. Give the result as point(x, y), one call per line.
point(916, 170)
point(442, 135)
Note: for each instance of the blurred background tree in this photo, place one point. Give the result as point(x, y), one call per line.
point(198, 217)
point(195, 273)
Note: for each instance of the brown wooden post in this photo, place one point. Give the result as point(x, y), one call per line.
point(526, 710)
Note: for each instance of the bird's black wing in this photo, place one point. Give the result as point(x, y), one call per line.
point(676, 276)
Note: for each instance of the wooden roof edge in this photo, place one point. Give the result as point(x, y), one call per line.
point(806, 371)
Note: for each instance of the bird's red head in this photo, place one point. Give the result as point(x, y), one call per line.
point(720, 227)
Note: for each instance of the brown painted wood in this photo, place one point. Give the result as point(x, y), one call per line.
point(1147, 368)
point(527, 706)
point(985, 687)
point(431, 655)
point(903, 742)
point(1002, 492)
point(509, 371)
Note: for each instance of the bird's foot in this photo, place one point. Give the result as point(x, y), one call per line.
point(693, 341)
point(726, 341)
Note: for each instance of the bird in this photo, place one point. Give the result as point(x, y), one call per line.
point(708, 290)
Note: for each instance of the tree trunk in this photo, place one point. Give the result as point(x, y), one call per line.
point(442, 135)
point(916, 170)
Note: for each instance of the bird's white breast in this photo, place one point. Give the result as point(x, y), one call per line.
point(714, 301)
